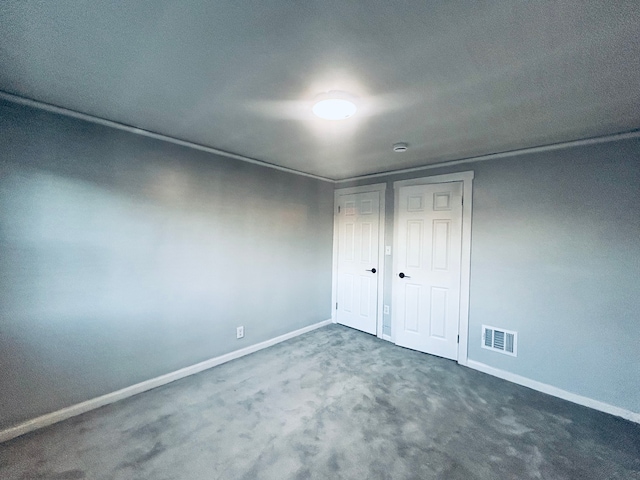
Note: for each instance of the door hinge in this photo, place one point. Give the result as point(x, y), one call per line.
point(336, 305)
point(458, 338)
point(338, 208)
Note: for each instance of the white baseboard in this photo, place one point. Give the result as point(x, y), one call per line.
point(80, 408)
point(555, 391)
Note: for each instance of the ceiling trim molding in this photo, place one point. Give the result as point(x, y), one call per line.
point(146, 133)
point(512, 153)
point(10, 97)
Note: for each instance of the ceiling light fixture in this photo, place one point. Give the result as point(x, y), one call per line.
point(334, 105)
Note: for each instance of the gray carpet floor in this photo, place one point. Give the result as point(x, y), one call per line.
point(334, 403)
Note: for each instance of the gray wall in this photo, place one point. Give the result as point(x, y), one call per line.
point(556, 257)
point(123, 258)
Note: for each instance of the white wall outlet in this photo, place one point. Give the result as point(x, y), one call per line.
point(387, 250)
point(239, 332)
point(386, 309)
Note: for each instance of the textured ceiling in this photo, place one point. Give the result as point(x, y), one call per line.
point(452, 79)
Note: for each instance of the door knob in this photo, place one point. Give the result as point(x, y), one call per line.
point(402, 275)
point(373, 270)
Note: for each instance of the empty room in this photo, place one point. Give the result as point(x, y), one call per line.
point(319, 240)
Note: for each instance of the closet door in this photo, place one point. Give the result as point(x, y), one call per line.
point(426, 285)
point(357, 287)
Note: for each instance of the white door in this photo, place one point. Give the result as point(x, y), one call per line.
point(357, 288)
point(426, 285)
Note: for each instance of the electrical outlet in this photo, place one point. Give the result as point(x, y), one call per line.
point(386, 309)
point(239, 332)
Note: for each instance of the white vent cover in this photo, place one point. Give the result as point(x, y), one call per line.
point(500, 340)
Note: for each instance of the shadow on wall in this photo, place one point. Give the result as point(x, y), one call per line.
point(124, 258)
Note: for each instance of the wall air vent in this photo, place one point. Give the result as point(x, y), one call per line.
point(500, 340)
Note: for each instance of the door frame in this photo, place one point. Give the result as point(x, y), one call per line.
point(381, 188)
point(465, 258)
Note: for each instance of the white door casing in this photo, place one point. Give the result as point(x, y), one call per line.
point(427, 273)
point(358, 270)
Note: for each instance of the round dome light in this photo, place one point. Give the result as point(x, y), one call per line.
point(334, 106)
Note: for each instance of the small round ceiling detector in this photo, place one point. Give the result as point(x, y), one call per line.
point(400, 147)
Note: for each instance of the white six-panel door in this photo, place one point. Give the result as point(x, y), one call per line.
point(426, 285)
point(357, 287)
